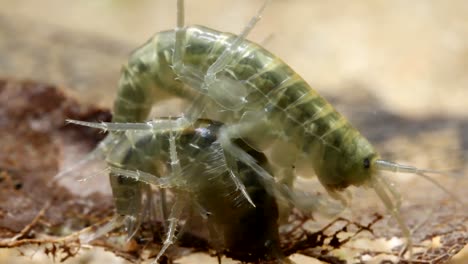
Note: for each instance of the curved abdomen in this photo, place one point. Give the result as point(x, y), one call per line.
point(270, 85)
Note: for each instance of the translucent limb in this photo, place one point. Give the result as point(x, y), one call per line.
point(230, 94)
point(190, 76)
point(227, 92)
point(344, 196)
point(391, 188)
point(132, 224)
point(180, 14)
point(179, 35)
point(150, 204)
point(399, 168)
point(176, 170)
point(114, 223)
point(310, 203)
point(173, 220)
point(383, 190)
point(162, 182)
point(163, 207)
point(224, 138)
point(158, 125)
point(224, 59)
point(232, 167)
point(97, 153)
point(91, 176)
point(239, 154)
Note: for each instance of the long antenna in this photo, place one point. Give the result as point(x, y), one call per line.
point(399, 168)
point(180, 14)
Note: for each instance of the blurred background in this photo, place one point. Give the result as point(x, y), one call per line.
point(412, 55)
point(398, 69)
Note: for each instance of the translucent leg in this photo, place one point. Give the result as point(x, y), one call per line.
point(320, 204)
point(157, 125)
point(114, 223)
point(231, 162)
point(179, 35)
point(227, 92)
point(230, 94)
point(180, 13)
point(176, 170)
point(399, 168)
point(382, 190)
point(162, 182)
point(235, 152)
point(188, 75)
point(173, 220)
point(301, 200)
point(225, 136)
point(150, 205)
point(343, 196)
point(163, 207)
point(98, 153)
point(225, 57)
point(133, 222)
point(393, 191)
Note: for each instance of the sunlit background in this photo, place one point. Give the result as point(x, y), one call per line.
point(402, 58)
point(412, 54)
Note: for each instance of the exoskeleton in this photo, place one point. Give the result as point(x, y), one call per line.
point(191, 163)
point(261, 101)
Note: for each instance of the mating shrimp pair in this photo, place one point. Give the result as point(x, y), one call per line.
point(191, 163)
point(260, 101)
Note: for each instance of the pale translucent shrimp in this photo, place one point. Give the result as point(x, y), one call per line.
point(261, 99)
point(191, 163)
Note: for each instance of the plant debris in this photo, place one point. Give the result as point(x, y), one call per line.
point(35, 210)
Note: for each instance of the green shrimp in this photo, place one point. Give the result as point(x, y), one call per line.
point(191, 163)
point(261, 100)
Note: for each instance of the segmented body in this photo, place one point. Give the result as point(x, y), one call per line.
point(254, 91)
point(201, 179)
point(261, 101)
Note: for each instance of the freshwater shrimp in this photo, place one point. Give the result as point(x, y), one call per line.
point(262, 100)
point(191, 163)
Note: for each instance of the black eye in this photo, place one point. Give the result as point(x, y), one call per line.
point(366, 163)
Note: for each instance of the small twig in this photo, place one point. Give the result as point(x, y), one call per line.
point(28, 227)
point(14, 242)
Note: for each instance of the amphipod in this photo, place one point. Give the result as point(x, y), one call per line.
point(261, 100)
point(191, 163)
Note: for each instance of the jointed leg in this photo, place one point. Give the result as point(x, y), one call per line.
point(157, 125)
point(179, 32)
point(381, 188)
point(114, 223)
point(98, 153)
point(173, 220)
point(226, 57)
point(161, 182)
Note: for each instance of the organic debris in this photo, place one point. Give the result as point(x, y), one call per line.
point(35, 210)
